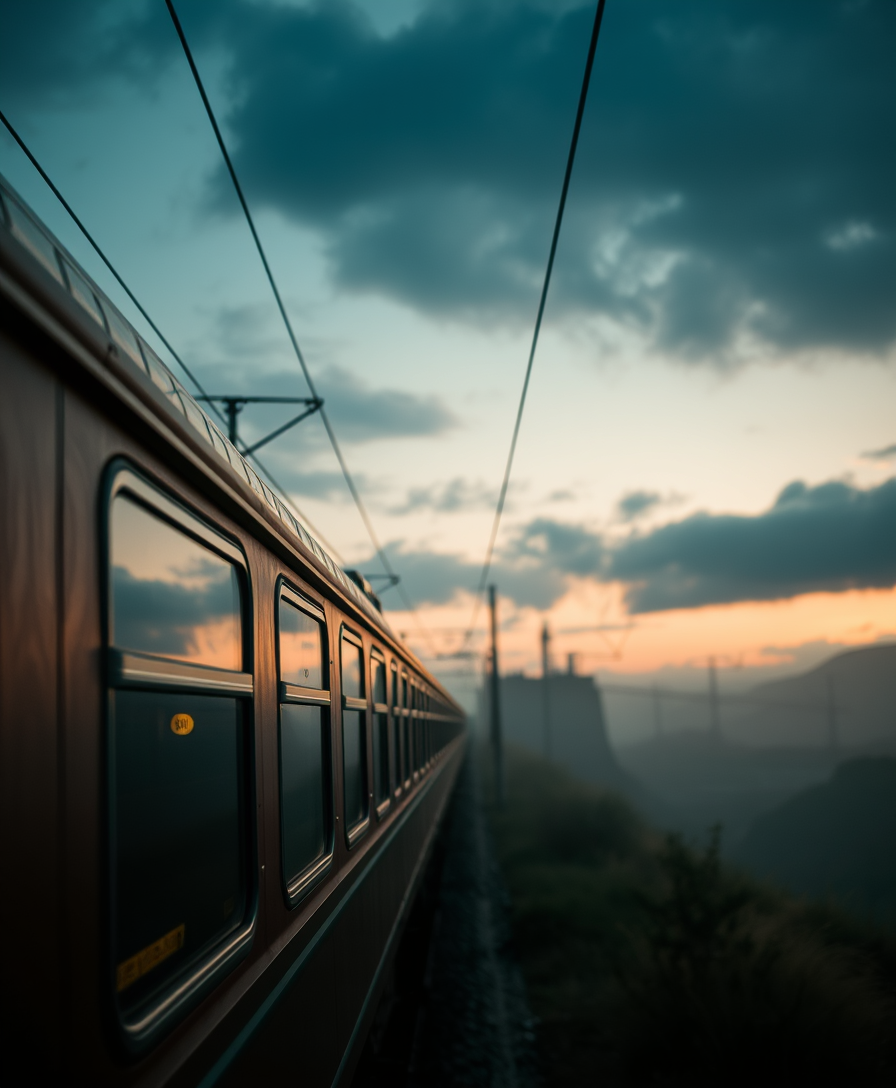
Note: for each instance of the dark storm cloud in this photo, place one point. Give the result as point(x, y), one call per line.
point(452, 497)
point(635, 503)
point(557, 546)
point(250, 335)
point(165, 617)
point(59, 53)
point(829, 538)
point(435, 578)
point(735, 173)
point(882, 454)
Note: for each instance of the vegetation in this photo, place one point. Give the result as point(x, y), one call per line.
point(650, 962)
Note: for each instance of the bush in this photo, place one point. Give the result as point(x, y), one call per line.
point(650, 962)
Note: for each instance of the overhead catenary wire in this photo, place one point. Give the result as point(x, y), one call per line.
point(331, 434)
point(502, 495)
point(155, 328)
point(102, 256)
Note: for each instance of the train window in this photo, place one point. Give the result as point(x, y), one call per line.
point(178, 737)
point(301, 647)
point(305, 797)
point(171, 595)
point(82, 293)
point(26, 231)
point(354, 737)
point(405, 732)
point(381, 783)
point(124, 338)
point(396, 732)
point(418, 749)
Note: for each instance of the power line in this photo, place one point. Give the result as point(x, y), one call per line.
point(331, 434)
point(589, 64)
point(155, 328)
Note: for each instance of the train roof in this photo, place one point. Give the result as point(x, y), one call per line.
point(24, 225)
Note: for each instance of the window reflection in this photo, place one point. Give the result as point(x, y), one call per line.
point(352, 657)
point(353, 766)
point(302, 755)
point(301, 642)
point(178, 849)
point(170, 595)
point(378, 669)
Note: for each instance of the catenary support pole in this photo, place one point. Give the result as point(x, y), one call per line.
point(715, 718)
point(545, 688)
point(495, 683)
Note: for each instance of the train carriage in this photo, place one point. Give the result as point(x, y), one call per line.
point(221, 771)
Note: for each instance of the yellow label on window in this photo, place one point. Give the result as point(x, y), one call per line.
point(182, 724)
point(151, 956)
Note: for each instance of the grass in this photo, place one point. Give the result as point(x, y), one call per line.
point(650, 962)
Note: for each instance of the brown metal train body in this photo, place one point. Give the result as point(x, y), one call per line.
point(220, 771)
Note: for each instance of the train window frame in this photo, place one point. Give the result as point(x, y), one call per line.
point(378, 711)
point(352, 704)
point(395, 727)
point(133, 671)
point(407, 770)
point(415, 728)
point(295, 889)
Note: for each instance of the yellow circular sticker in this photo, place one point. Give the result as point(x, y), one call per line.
point(182, 724)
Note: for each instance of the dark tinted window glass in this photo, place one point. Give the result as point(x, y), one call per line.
point(406, 747)
point(353, 764)
point(83, 292)
point(396, 733)
point(378, 669)
point(301, 647)
point(302, 760)
point(171, 595)
point(34, 239)
point(352, 670)
point(381, 757)
point(179, 870)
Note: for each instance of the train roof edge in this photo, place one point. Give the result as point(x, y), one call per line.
point(25, 226)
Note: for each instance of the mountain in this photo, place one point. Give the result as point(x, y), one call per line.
point(836, 839)
point(847, 702)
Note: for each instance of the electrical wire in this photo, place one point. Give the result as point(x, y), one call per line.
point(502, 496)
point(155, 328)
point(331, 434)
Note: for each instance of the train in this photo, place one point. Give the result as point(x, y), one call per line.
point(221, 772)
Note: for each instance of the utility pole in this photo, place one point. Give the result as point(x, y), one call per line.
point(715, 720)
point(657, 712)
point(497, 745)
point(545, 687)
point(833, 730)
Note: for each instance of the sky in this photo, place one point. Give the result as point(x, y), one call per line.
point(707, 462)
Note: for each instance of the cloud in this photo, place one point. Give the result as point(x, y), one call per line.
point(449, 498)
point(634, 504)
point(829, 538)
point(556, 546)
point(436, 578)
point(880, 455)
point(734, 178)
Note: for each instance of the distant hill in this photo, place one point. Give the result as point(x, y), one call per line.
point(704, 780)
point(849, 701)
point(836, 839)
